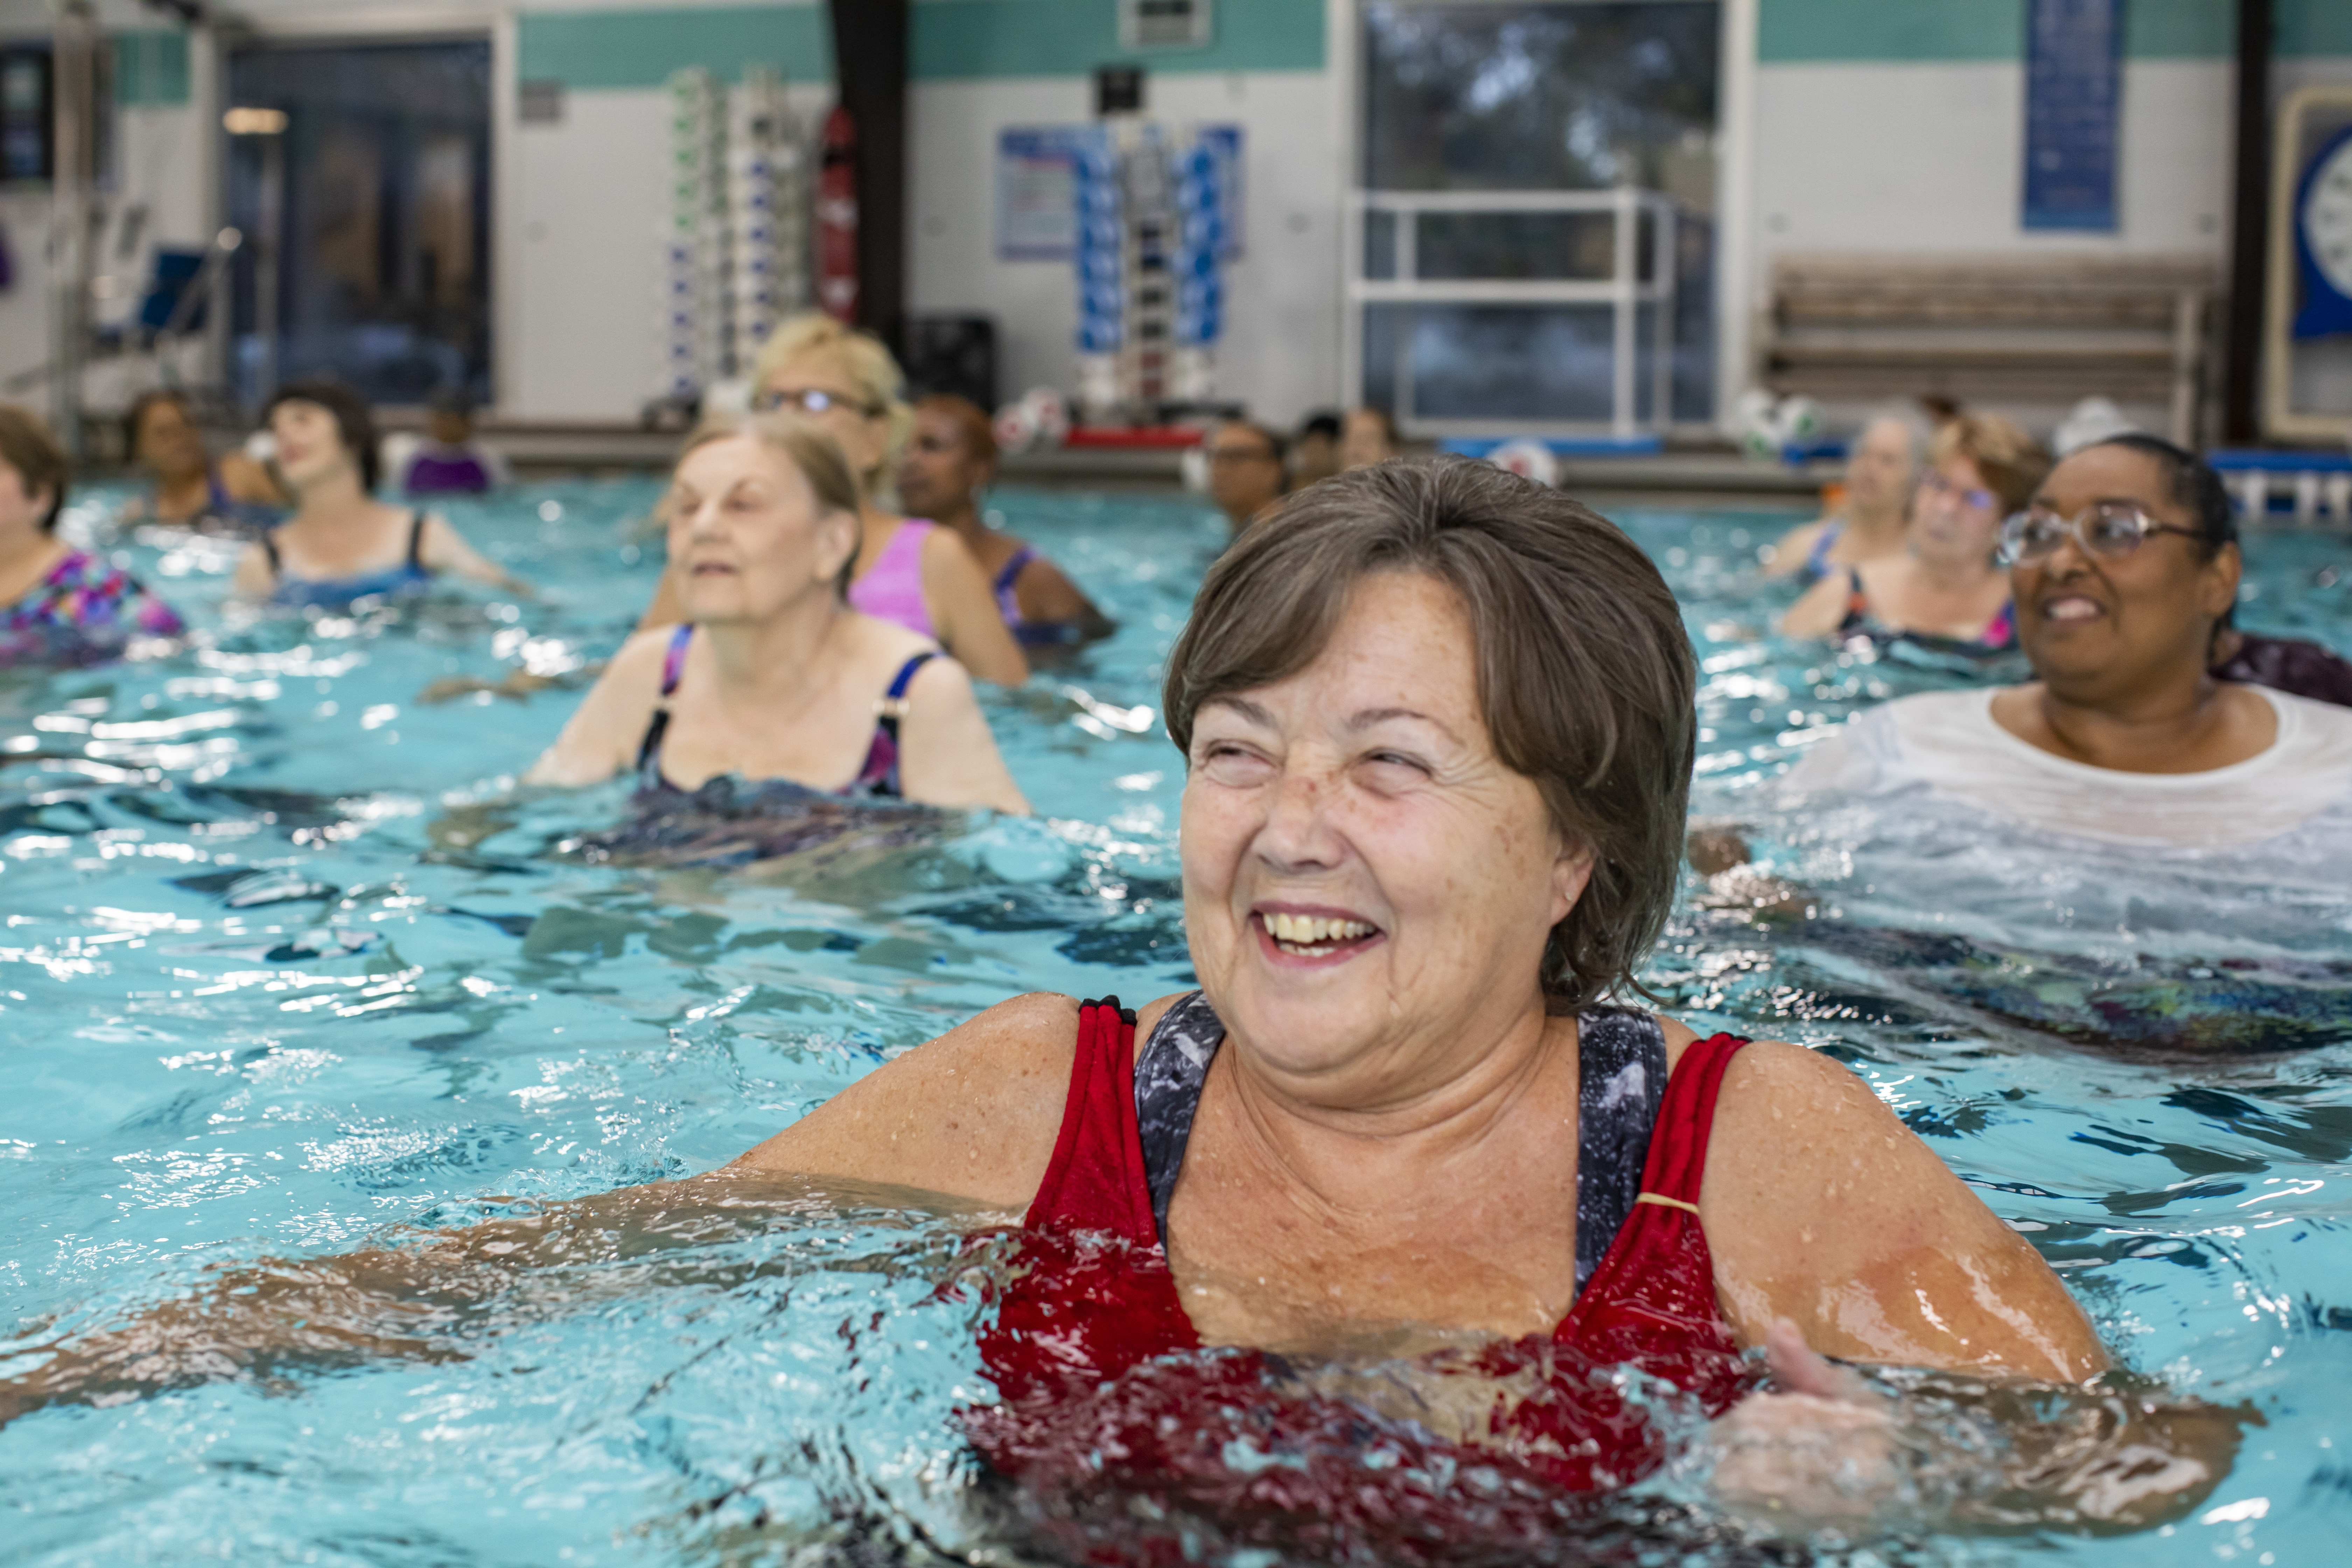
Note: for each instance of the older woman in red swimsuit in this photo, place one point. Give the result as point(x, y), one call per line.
point(1366, 1239)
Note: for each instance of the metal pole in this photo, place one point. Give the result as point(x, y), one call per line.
point(73, 88)
point(1621, 339)
point(272, 206)
point(2249, 223)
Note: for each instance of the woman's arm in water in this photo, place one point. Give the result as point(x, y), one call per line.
point(1788, 555)
point(1047, 595)
point(963, 611)
point(443, 549)
point(948, 755)
point(254, 578)
point(1823, 1209)
point(600, 739)
point(247, 480)
point(1821, 608)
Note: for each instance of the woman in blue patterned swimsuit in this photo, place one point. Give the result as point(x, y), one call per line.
point(59, 604)
point(773, 696)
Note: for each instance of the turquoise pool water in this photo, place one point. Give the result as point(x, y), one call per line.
point(288, 966)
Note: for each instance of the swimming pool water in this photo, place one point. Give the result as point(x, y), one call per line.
point(289, 965)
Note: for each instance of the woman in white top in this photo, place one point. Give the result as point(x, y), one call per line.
point(2123, 570)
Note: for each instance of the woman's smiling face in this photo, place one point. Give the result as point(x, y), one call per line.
point(2119, 620)
point(1364, 880)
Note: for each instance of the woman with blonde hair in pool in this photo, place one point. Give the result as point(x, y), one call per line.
point(909, 570)
point(771, 685)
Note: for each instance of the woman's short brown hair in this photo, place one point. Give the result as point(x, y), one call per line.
point(28, 446)
point(1584, 671)
point(2011, 461)
point(816, 455)
point(971, 423)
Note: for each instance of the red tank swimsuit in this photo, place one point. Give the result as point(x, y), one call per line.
point(1110, 1400)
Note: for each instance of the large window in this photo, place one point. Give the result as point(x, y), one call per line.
point(377, 194)
point(1577, 293)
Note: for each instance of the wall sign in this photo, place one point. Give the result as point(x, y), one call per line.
point(1036, 189)
point(2073, 81)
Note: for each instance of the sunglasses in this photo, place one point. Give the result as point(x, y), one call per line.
point(2110, 530)
point(815, 400)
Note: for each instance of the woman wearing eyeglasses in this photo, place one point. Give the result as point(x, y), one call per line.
point(2124, 569)
point(909, 570)
point(1945, 591)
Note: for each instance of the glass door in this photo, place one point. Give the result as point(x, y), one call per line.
point(367, 204)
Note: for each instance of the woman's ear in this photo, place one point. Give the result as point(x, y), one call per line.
point(2221, 575)
point(1570, 873)
point(838, 535)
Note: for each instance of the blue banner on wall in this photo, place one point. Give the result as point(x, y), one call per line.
point(2074, 82)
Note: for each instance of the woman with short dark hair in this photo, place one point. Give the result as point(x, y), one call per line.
point(59, 604)
point(343, 545)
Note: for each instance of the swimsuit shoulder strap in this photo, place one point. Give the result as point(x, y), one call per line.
point(416, 542)
point(1817, 559)
point(1677, 1158)
point(1094, 1180)
point(673, 667)
point(1621, 1079)
point(1857, 602)
point(1169, 1076)
point(1010, 573)
point(879, 775)
point(269, 552)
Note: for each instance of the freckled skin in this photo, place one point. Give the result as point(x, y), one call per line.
point(1384, 1156)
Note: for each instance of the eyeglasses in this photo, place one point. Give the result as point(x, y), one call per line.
point(2110, 530)
point(812, 400)
point(1934, 484)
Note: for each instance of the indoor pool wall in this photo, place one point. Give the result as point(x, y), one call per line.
point(289, 964)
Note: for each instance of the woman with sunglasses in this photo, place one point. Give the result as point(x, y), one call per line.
point(1945, 591)
point(909, 570)
point(2124, 569)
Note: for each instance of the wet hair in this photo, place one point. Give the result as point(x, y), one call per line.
point(136, 414)
point(1584, 672)
point(30, 446)
point(874, 375)
point(354, 422)
point(2011, 461)
point(2195, 488)
point(810, 449)
point(972, 422)
point(1323, 422)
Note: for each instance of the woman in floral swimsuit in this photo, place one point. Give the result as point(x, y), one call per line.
point(59, 604)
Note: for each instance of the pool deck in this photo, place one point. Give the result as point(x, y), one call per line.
point(1696, 477)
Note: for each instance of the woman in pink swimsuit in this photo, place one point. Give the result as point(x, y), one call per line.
point(909, 570)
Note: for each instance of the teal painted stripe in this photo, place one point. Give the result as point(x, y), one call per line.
point(966, 38)
point(2312, 27)
point(587, 49)
point(2180, 29)
point(150, 69)
point(1787, 31)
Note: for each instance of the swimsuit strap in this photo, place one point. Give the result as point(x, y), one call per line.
point(1011, 571)
point(1677, 1160)
point(1090, 1183)
point(1169, 1076)
point(269, 549)
point(1621, 1079)
point(1858, 603)
point(673, 667)
point(1817, 559)
point(879, 775)
point(416, 542)
point(2003, 632)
